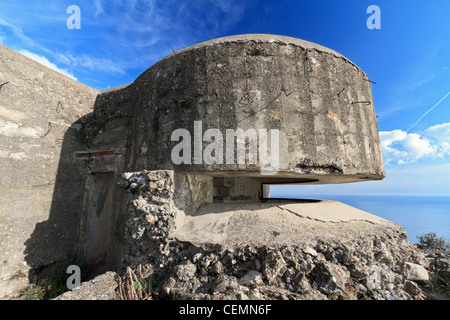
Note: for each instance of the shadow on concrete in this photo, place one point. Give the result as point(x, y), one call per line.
point(84, 226)
point(55, 241)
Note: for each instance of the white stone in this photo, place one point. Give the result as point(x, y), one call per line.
point(252, 277)
point(310, 251)
point(415, 272)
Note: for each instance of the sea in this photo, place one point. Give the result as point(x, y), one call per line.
point(417, 214)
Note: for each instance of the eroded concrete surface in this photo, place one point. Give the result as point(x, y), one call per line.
point(276, 223)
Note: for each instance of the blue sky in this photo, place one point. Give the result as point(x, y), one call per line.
point(408, 58)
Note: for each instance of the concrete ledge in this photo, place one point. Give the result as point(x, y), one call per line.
point(277, 223)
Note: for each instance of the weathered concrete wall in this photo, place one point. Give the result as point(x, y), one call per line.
point(320, 102)
point(39, 218)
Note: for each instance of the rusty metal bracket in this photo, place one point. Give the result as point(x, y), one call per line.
point(97, 153)
point(1, 85)
point(364, 102)
point(178, 100)
point(142, 81)
point(369, 80)
point(212, 74)
point(249, 98)
point(285, 92)
point(59, 105)
point(50, 127)
point(179, 56)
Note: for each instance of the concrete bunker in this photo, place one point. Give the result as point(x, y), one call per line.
point(269, 93)
point(307, 102)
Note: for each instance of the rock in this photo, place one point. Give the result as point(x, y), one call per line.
point(329, 277)
point(220, 286)
point(357, 270)
point(415, 272)
point(127, 175)
point(349, 292)
point(142, 180)
point(217, 267)
point(103, 287)
point(412, 288)
point(310, 251)
point(185, 271)
point(134, 185)
point(274, 267)
point(360, 267)
point(251, 278)
point(257, 265)
point(373, 281)
point(197, 257)
point(441, 266)
point(226, 284)
point(301, 283)
point(382, 254)
point(243, 296)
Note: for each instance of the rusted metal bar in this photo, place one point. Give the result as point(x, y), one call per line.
point(365, 102)
point(249, 98)
point(212, 74)
point(59, 105)
point(285, 92)
point(369, 80)
point(178, 56)
point(1, 85)
point(50, 127)
point(142, 80)
point(97, 153)
point(178, 100)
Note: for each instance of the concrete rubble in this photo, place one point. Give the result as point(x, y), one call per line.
point(346, 260)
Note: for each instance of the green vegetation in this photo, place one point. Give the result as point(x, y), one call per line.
point(50, 282)
point(333, 296)
point(431, 240)
point(188, 296)
point(438, 285)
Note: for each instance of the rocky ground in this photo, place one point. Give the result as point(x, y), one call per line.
point(437, 262)
point(349, 261)
point(208, 276)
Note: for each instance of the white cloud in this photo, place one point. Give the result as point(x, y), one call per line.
point(441, 135)
point(18, 32)
point(401, 147)
point(121, 36)
point(44, 61)
point(93, 64)
point(83, 61)
point(418, 146)
point(98, 7)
